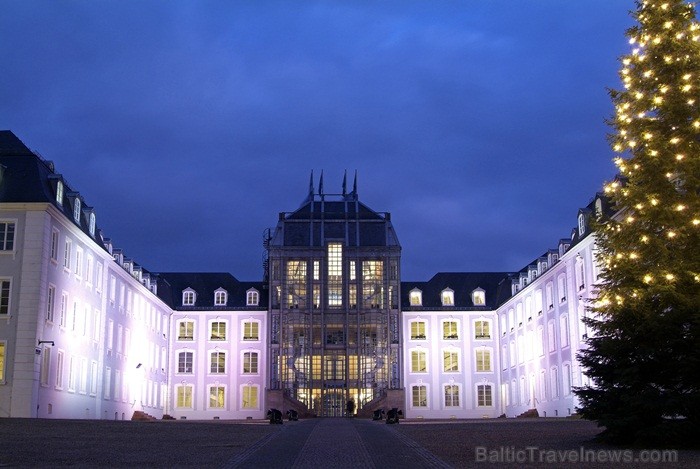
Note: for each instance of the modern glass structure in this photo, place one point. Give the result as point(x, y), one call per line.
point(333, 269)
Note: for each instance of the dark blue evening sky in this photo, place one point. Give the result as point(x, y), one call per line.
point(189, 125)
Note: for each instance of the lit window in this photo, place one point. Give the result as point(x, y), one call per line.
point(417, 330)
point(418, 361)
point(249, 396)
point(7, 236)
point(188, 297)
point(185, 330)
point(449, 330)
point(250, 362)
point(217, 397)
point(561, 284)
point(482, 330)
point(483, 360)
point(91, 226)
point(581, 224)
point(416, 297)
point(2, 361)
point(450, 361)
point(252, 298)
point(218, 330)
point(185, 363)
point(420, 396)
point(448, 297)
point(78, 262)
point(335, 275)
point(218, 362)
point(220, 297)
point(4, 297)
point(484, 395)
point(184, 396)
point(250, 330)
point(479, 297)
point(59, 193)
point(451, 395)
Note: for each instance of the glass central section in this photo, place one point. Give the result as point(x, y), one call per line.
point(335, 275)
point(296, 284)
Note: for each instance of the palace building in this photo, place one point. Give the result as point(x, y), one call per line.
point(87, 332)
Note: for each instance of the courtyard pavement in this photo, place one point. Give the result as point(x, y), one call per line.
point(316, 443)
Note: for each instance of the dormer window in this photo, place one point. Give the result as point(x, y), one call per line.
point(59, 192)
point(415, 297)
point(581, 224)
point(220, 297)
point(598, 207)
point(76, 210)
point(448, 297)
point(188, 297)
point(479, 297)
point(91, 226)
point(252, 297)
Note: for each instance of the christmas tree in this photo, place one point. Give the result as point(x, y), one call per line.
point(644, 358)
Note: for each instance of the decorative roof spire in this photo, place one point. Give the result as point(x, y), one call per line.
point(311, 185)
point(345, 183)
point(320, 184)
point(354, 185)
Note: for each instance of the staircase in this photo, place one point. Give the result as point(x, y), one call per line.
point(530, 413)
point(140, 416)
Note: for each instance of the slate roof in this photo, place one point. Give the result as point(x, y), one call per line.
point(29, 178)
point(496, 285)
point(171, 285)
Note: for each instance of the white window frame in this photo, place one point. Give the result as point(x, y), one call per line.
point(188, 337)
point(246, 361)
point(458, 396)
point(218, 387)
point(217, 353)
point(245, 393)
point(418, 386)
point(478, 392)
point(479, 360)
point(447, 297)
point(252, 297)
point(55, 235)
point(418, 336)
point(419, 352)
point(479, 334)
point(415, 297)
point(189, 297)
point(211, 330)
point(455, 357)
point(220, 297)
point(245, 327)
point(180, 352)
point(187, 395)
point(479, 297)
point(443, 324)
point(5, 296)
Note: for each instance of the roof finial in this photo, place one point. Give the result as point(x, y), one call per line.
point(345, 183)
point(320, 184)
point(311, 185)
point(354, 185)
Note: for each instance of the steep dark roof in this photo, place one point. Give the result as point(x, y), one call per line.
point(26, 177)
point(172, 284)
point(496, 286)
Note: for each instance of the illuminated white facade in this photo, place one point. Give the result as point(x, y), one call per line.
point(87, 333)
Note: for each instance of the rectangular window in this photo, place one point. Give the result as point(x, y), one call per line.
point(50, 300)
point(218, 362)
point(561, 284)
point(64, 310)
point(4, 297)
point(252, 298)
point(89, 271)
point(449, 330)
point(93, 378)
point(249, 395)
point(185, 330)
point(419, 396)
point(450, 361)
point(78, 262)
point(250, 330)
point(112, 289)
point(67, 254)
point(451, 395)
point(483, 392)
point(184, 397)
point(72, 372)
point(353, 270)
point(250, 362)
point(373, 284)
point(482, 330)
point(550, 336)
point(54, 245)
point(418, 330)
point(83, 375)
point(217, 397)
point(7, 236)
point(218, 330)
point(317, 270)
point(98, 278)
point(96, 326)
point(45, 365)
point(59, 370)
point(549, 295)
point(483, 360)
point(108, 383)
point(335, 275)
point(418, 361)
point(185, 362)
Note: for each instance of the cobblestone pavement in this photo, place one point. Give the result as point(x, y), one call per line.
point(313, 443)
